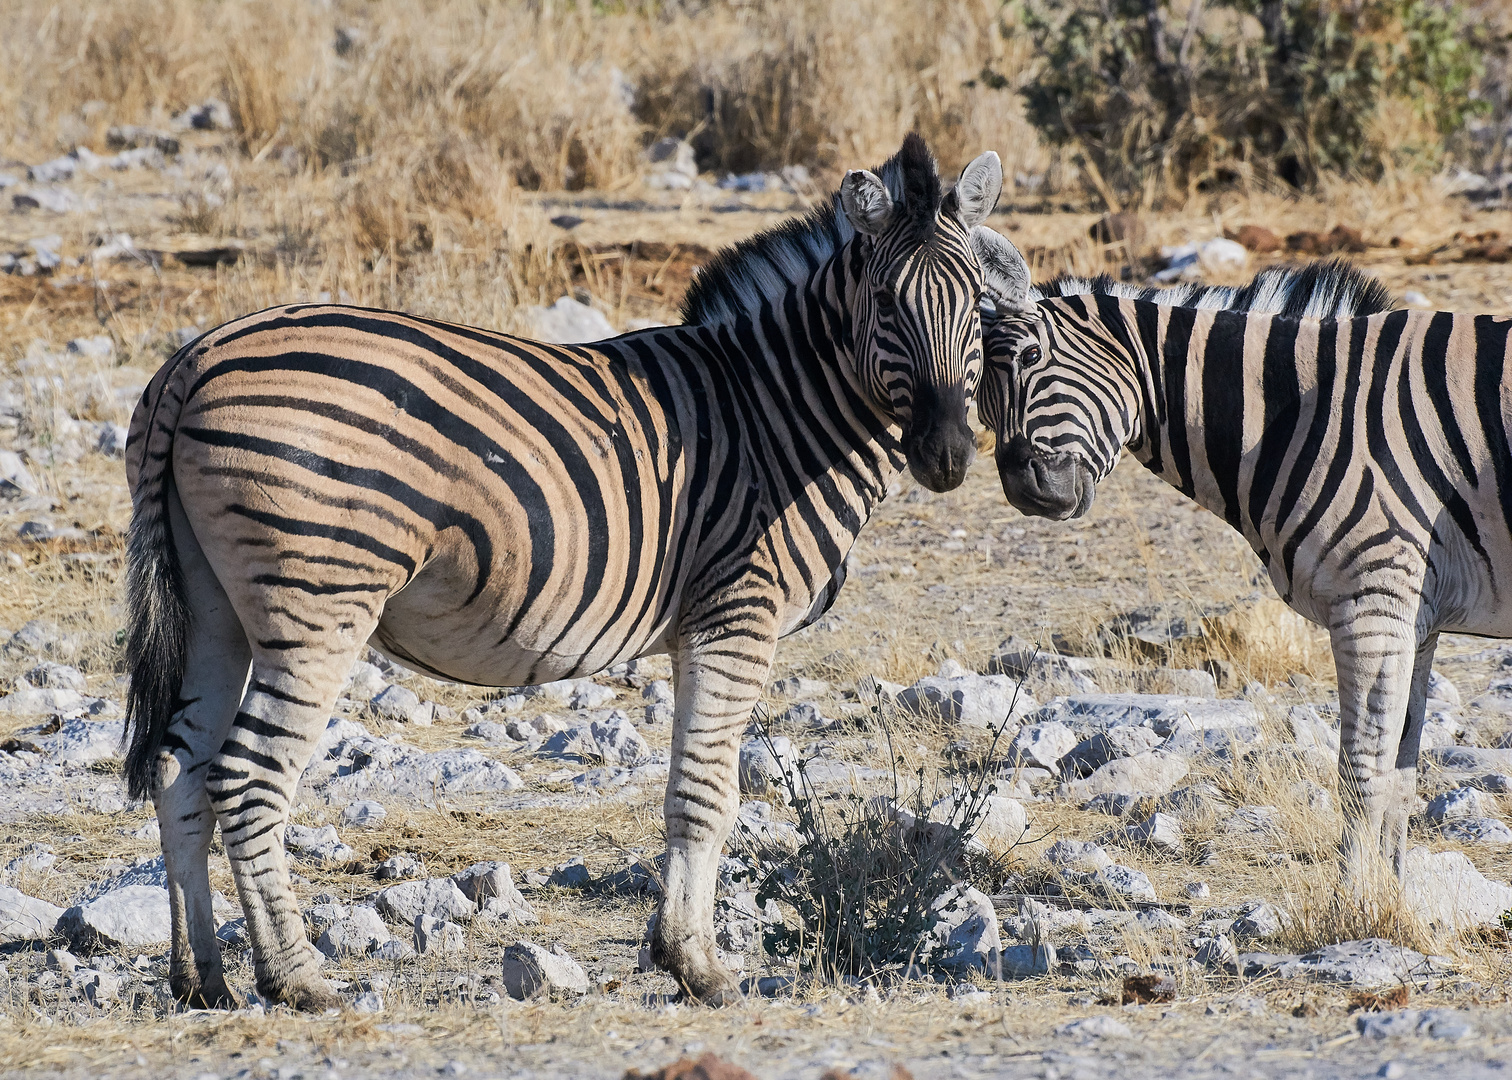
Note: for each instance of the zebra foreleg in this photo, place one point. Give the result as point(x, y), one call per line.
point(718, 683)
point(215, 676)
point(252, 781)
point(1374, 651)
point(1394, 840)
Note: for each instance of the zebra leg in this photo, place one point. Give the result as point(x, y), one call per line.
point(717, 686)
point(252, 781)
point(1394, 840)
point(1374, 652)
point(214, 677)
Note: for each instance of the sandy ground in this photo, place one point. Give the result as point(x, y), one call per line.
point(934, 578)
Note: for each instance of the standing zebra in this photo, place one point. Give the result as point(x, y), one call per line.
point(1363, 453)
point(313, 478)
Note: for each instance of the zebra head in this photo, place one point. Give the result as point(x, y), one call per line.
point(916, 284)
point(1061, 418)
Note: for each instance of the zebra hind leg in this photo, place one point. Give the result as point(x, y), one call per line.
point(215, 673)
point(252, 781)
point(715, 695)
point(1374, 653)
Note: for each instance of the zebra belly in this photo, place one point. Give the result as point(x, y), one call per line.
point(428, 625)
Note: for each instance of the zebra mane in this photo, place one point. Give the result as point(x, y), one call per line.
point(1316, 290)
point(763, 267)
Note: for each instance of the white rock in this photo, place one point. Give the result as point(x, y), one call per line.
point(1042, 745)
point(1260, 921)
point(56, 676)
point(15, 478)
point(1456, 804)
point(36, 702)
point(1222, 256)
point(1441, 689)
point(25, 918)
point(321, 846)
point(1126, 740)
point(437, 897)
point(986, 701)
point(568, 322)
point(1253, 821)
point(490, 886)
point(1154, 773)
point(357, 934)
point(397, 704)
point(364, 814)
point(1367, 964)
point(762, 766)
point(1095, 1027)
point(1447, 890)
point(1482, 831)
point(1310, 729)
point(530, 970)
point(1160, 832)
point(1077, 855)
point(798, 687)
point(84, 741)
point(126, 918)
point(965, 935)
point(365, 681)
point(1123, 883)
point(1101, 712)
point(617, 740)
point(434, 935)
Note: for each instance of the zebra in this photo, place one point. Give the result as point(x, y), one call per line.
point(1363, 453)
point(314, 478)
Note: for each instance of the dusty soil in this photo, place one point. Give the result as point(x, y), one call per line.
point(934, 578)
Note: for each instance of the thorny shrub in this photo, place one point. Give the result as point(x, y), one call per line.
point(867, 870)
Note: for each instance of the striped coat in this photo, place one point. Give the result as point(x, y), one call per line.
point(314, 478)
point(1364, 455)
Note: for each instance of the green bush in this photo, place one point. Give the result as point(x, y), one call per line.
point(1156, 98)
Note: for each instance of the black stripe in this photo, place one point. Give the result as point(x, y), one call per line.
point(1223, 408)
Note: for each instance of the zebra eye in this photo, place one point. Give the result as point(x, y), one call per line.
point(1030, 355)
point(885, 301)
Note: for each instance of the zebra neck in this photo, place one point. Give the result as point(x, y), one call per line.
point(1222, 392)
point(789, 365)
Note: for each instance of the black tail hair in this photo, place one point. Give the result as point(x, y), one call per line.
point(157, 632)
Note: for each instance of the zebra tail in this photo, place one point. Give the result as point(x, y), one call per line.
point(157, 621)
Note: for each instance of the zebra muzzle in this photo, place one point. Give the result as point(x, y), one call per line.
point(1056, 485)
point(939, 443)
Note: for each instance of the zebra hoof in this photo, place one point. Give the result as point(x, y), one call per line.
point(212, 993)
point(311, 997)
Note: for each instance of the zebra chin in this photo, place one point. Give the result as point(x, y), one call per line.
point(940, 445)
point(1057, 486)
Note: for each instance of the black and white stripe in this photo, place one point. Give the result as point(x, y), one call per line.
point(1363, 453)
point(313, 478)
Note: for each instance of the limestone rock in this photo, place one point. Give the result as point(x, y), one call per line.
point(365, 681)
point(1448, 891)
point(1122, 883)
point(1092, 713)
point(130, 917)
point(1154, 773)
point(361, 933)
point(762, 767)
point(797, 687)
point(437, 897)
point(1259, 921)
point(1482, 831)
point(1159, 832)
point(1125, 741)
point(490, 886)
point(530, 970)
point(617, 740)
point(25, 918)
point(1042, 745)
point(1077, 855)
point(321, 846)
point(364, 814)
point(1310, 729)
point(1024, 961)
point(1452, 805)
point(965, 935)
point(81, 740)
point(984, 701)
point(568, 322)
point(397, 704)
point(572, 874)
point(1469, 759)
point(1366, 965)
point(434, 935)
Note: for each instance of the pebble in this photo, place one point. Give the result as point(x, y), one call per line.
point(364, 814)
point(437, 897)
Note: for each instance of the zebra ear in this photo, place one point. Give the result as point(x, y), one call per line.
point(978, 189)
point(1005, 275)
point(866, 202)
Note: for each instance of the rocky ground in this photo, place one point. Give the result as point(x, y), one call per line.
point(1152, 886)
